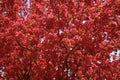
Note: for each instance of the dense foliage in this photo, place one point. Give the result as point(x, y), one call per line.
point(59, 39)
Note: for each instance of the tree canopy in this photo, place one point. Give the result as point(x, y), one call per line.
point(59, 39)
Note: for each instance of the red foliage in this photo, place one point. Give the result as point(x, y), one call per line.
point(59, 39)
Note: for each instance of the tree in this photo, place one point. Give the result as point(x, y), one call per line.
point(59, 39)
